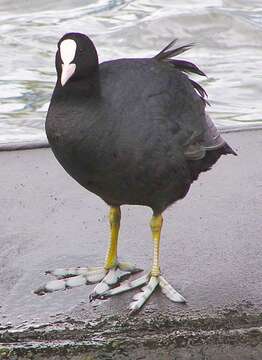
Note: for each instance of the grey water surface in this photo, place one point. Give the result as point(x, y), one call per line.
point(228, 48)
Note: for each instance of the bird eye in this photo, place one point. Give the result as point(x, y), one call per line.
point(81, 50)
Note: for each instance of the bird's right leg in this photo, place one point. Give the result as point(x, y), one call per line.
point(106, 276)
point(115, 270)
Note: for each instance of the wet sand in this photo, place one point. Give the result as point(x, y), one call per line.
point(211, 251)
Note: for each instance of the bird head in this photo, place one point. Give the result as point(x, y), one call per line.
point(76, 58)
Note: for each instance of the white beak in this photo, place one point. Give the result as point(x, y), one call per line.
point(67, 71)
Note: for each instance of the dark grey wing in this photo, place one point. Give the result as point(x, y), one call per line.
point(205, 137)
point(209, 140)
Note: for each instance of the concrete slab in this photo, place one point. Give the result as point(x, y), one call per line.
point(211, 251)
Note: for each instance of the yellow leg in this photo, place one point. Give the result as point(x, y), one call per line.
point(149, 281)
point(114, 219)
point(156, 225)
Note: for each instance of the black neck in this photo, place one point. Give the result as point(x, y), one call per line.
point(78, 88)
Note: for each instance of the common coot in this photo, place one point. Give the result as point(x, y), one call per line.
point(132, 131)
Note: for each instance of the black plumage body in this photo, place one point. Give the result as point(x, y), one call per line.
point(134, 132)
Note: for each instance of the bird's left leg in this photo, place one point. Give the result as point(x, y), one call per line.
point(155, 278)
point(106, 276)
point(151, 280)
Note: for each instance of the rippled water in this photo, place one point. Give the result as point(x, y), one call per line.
point(227, 34)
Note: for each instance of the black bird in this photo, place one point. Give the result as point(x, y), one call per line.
point(132, 131)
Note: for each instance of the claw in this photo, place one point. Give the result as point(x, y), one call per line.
point(61, 284)
point(140, 298)
point(112, 278)
point(70, 278)
point(51, 286)
point(91, 273)
point(170, 292)
point(126, 286)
